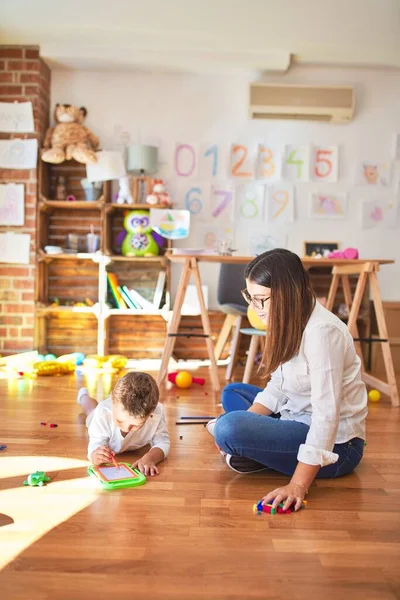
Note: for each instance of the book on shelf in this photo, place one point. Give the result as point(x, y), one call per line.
point(140, 300)
point(127, 298)
point(113, 284)
point(158, 294)
point(143, 297)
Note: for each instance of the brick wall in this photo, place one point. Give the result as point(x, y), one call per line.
point(23, 76)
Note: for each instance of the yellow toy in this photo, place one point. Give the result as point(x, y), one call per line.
point(53, 367)
point(110, 362)
point(374, 396)
point(255, 320)
point(69, 138)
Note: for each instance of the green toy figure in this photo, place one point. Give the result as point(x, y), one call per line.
point(139, 240)
point(37, 479)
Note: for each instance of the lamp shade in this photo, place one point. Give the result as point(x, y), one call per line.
point(110, 165)
point(141, 158)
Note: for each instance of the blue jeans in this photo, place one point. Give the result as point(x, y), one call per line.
point(272, 441)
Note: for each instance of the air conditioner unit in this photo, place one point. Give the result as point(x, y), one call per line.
point(333, 104)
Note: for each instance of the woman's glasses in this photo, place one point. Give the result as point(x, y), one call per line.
point(258, 303)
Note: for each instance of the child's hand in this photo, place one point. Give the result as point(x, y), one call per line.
point(101, 455)
point(146, 465)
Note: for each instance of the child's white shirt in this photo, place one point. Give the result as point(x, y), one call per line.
point(103, 431)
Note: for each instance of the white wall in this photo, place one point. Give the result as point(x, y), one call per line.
point(165, 109)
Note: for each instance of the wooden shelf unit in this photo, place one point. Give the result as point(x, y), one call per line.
point(68, 278)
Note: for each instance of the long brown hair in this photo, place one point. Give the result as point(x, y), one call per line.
point(291, 304)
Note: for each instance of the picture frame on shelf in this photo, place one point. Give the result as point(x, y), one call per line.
point(319, 249)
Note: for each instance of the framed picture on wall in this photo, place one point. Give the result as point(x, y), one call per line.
point(319, 249)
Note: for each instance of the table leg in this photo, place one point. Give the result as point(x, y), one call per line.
point(251, 357)
point(383, 334)
point(348, 300)
point(206, 325)
point(176, 319)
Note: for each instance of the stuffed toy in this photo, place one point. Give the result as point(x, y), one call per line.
point(159, 195)
point(69, 138)
point(139, 240)
point(124, 193)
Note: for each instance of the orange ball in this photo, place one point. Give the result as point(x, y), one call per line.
point(183, 380)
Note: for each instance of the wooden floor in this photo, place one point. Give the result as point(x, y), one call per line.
point(189, 533)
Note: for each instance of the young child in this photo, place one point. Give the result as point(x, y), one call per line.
point(130, 418)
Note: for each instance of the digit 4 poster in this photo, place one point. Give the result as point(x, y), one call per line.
point(297, 163)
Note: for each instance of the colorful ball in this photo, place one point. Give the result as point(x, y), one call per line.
point(374, 396)
point(50, 357)
point(255, 320)
point(183, 380)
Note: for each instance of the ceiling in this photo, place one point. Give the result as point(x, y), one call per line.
point(201, 36)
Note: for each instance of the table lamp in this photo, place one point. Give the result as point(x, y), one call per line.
point(142, 161)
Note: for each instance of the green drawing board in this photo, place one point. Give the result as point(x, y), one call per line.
point(112, 478)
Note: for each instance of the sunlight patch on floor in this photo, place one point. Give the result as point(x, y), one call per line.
point(15, 466)
point(37, 510)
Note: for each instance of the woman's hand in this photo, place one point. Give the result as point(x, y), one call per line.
point(290, 494)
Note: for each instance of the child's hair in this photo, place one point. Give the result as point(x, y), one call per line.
point(138, 394)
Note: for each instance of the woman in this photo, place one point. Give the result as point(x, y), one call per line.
point(309, 421)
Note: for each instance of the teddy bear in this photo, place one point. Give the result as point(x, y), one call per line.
point(69, 138)
point(124, 192)
point(159, 195)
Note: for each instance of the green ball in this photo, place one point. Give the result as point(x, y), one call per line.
point(50, 357)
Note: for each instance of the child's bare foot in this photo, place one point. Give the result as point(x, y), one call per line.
point(81, 393)
point(87, 402)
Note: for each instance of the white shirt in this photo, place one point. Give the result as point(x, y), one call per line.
point(321, 386)
point(103, 431)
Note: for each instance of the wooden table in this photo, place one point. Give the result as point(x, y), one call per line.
point(191, 267)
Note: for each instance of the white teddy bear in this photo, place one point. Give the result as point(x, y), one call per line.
point(124, 193)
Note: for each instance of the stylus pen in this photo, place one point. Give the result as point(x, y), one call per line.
point(114, 461)
point(191, 422)
point(201, 418)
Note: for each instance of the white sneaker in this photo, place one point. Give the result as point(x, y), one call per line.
point(211, 426)
point(81, 393)
point(241, 464)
